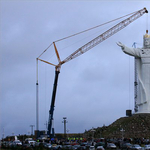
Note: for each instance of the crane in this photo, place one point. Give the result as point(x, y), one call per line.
point(81, 51)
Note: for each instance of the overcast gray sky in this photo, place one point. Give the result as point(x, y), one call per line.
point(93, 89)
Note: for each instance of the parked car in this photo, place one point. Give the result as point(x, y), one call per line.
point(47, 145)
point(91, 148)
point(56, 147)
point(111, 146)
point(82, 148)
point(147, 147)
point(10, 143)
point(99, 144)
point(67, 147)
point(126, 146)
point(100, 148)
point(75, 147)
point(17, 142)
point(136, 147)
point(30, 141)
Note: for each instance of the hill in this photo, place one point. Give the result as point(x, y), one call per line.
point(135, 126)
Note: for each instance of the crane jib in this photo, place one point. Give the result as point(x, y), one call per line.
point(105, 35)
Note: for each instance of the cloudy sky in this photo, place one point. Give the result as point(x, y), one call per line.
point(94, 89)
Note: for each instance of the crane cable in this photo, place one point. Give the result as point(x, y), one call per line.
point(147, 22)
point(93, 27)
point(45, 50)
point(85, 31)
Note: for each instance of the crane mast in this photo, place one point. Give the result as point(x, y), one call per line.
point(50, 130)
point(82, 50)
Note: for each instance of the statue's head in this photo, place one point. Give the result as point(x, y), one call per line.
point(146, 40)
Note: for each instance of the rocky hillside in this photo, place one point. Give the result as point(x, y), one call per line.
point(135, 126)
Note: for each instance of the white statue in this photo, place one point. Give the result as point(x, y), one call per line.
point(143, 71)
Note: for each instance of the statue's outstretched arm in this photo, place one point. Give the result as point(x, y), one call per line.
point(129, 51)
point(121, 45)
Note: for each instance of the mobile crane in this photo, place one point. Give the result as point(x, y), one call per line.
point(81, 51)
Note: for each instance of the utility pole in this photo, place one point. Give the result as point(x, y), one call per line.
point(92, 135)
point(3, 135)
point(31, 129)
point(46, 127)
point(37, 101)
point(64, 125)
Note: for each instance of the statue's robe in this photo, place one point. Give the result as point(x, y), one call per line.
point(143, 71)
